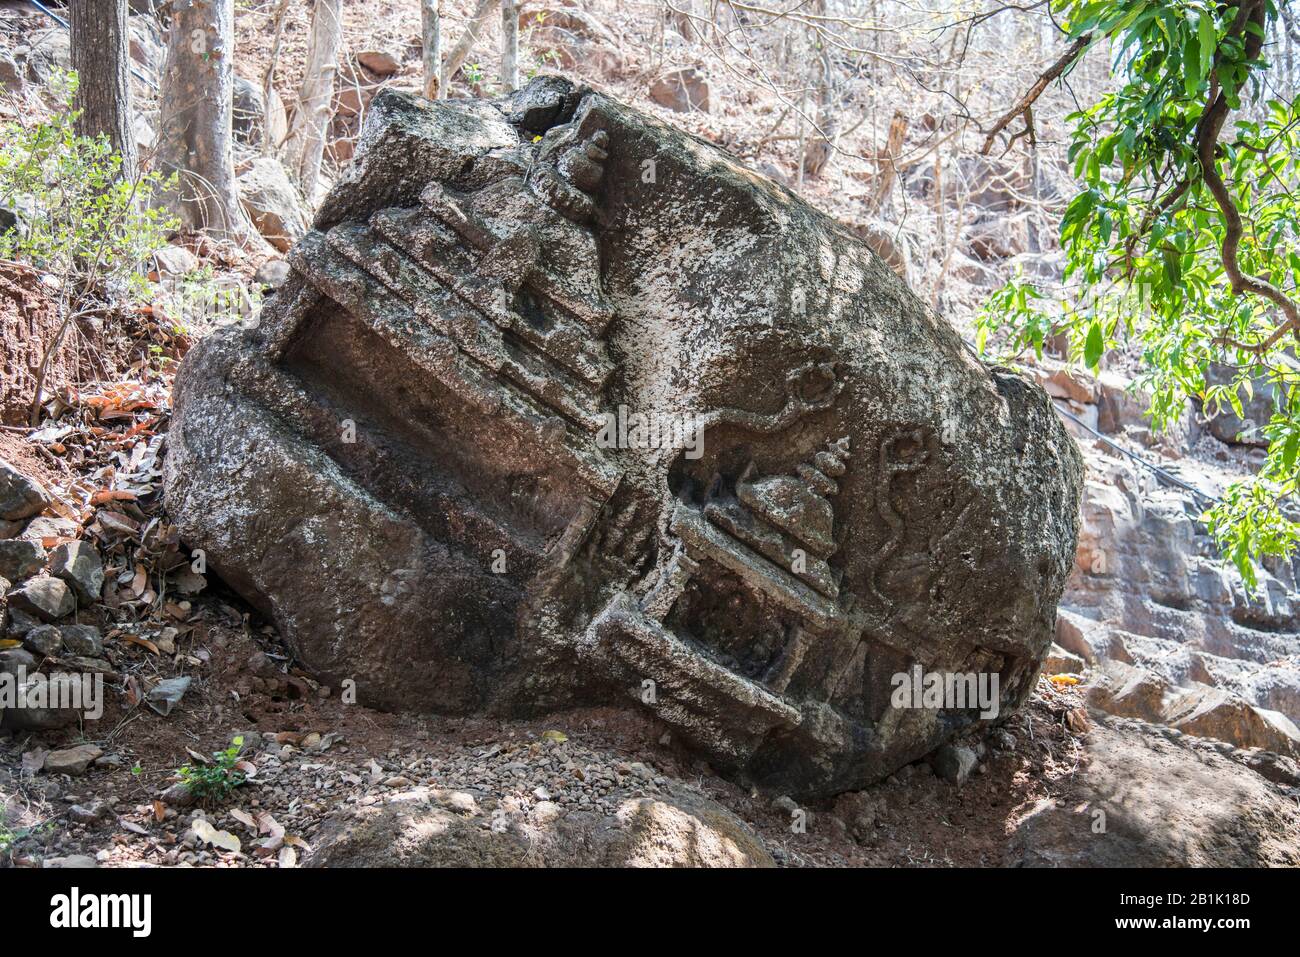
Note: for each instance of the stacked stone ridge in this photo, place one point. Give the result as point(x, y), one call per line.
point(402, 463)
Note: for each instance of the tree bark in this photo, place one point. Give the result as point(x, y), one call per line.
point(194, 141)
point(101, 55)
point(818, 151)
point(887, 160)
point(456, 59)
point(269, 96)
point(431, 22)
point(509, 46)
point(311, 119)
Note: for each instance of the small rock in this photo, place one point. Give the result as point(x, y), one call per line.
point(545, 812)
point(165, 695)
point(78, 564)
point(94, 666)
point(11, 529)
point(379, 62)
point(46, 598)
point(463, 803)
point(248, 111)
point(71, 861)
point(178, 795)
point(20, 495)
point(43, 640)
point(785, 804)
point(954, 763)
point(273, 203)
point(82, 640)
point(50, 528)
point(72, 761)
point(1002, 740)
point(1062, 662)
point(86, 813)
point(174, 262)
point(20, 559)
point(20, 623)
point(272, 273)
point(682, 91)
point(13, 659)
point(13, 80)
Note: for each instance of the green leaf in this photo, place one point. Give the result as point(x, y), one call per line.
point(1290, 450)
point(1093, 346)
point(1208, 40)
point(1192, 64)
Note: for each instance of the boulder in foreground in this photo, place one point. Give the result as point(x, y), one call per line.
point(560, 406)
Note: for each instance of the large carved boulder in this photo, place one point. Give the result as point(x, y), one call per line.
point(561, 406)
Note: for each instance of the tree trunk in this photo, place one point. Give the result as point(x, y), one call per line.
point(311, 119)
point(269, 97)
point(822, 146)
point(101, 55)
point(194, 140)
point(431, 21)
point(887, 160)
point(456, 59)
point(509, 46)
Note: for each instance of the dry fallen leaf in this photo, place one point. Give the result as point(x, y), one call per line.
point(159, 810)
point(244, 818)
point(288, 857)
point(111, 495)
point(1077, 720)
point(142, 642)
point(209, 834)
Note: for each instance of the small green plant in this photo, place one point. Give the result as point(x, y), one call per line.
point(473, 74)
point(202, 298)
point(10, 838)
point(213, 783)
point(86, 223)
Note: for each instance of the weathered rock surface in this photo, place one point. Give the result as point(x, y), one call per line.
point(20, 558)
point(49, 702)
point(47, 598)
point(682, 91)
point(1147, 799)
point(20, 495)
point(431, 827)
point(1159, 625)
point(73, 760)
point(273, 202)
point(79, 565)
point(83, 640)
point(248, 112)
point(415, 463)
